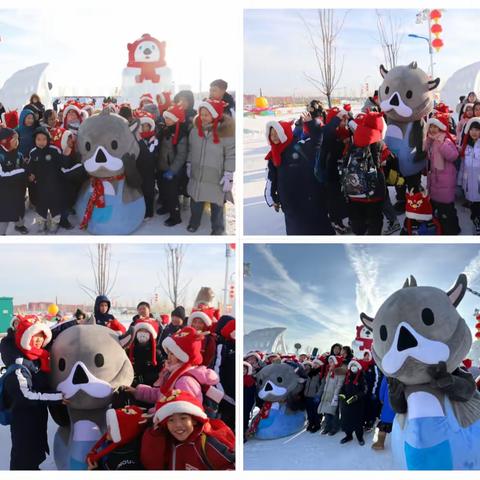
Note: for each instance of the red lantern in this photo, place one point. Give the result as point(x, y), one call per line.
point(477, 335)
point(435, 14)
point(437, 43)
point(477, 326)
point(437, 29)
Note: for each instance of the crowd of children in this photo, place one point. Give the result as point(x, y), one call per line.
point(178, 414)
point(184, 153)
point(331, 165)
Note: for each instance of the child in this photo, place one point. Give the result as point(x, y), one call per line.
point(313, 391)
point(183, 369)
point(210, 164)
point(149, 151)
point(202, 323)
point(255, 359)
point(102, 317)
point(143, 353)
point(173, 156)
point(470, 169)
point(291, 184)
point(329, 402)
point(177, 322)
point(183, 438)
point(466, 113)
point(23, 390)
point(352, 396)
point(13, 182)
point(442, 174)
point(26, 128)
point(49, 120)
point(45, 172)
point(120, 445)
point(218, 91)
point(72, 116)
point(249, 394)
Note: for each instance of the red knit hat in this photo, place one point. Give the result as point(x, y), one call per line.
point(165, 318)
point(215, 107)
point(145, 98)
point(10, 119)
point(59, 138)
point(178, 401)
point(152, 327)
point(176, 113)
point(331, 114)
point(186, 345)
point(124, 425)
point(370, 130)
point(418, 206)
point(285, 134)
point(164, 100)
point(228, 331)
point(347, 107)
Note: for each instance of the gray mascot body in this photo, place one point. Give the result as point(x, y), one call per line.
point(419, 342)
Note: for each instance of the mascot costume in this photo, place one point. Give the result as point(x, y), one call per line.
point(280, 386)
point(111, 203)
point(406, 98)
point(88, 364)
point(419, 342)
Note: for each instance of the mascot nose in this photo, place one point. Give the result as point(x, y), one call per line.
point(79, 376)
point(100, 157)
point(268, 387)
point(405, 340)
point(147, 51)
point(395, 101)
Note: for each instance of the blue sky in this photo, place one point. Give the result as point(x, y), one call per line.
point(41, 272)
point(277, 51)
point(318, 291)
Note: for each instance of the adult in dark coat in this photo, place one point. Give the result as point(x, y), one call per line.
point(100, 317)
point(177, 321)
point(373, 380)
point(352, 397)
point(146, 162)
point(291, 183)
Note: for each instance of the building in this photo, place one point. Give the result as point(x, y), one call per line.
point(6, 313)
point(266, 340)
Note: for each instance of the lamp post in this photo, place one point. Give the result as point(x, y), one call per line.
point(430, 49)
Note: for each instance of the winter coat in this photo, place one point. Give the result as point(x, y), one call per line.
point(301, 196)
point(333, 384)
point(106, 319)
point(209, 348)
point(37, 108)
point(173, 157)
point(442, 174)
point(352, 415)
point(313, 386)
point(50, 184)
point(201, 451)
point(168, 331)
point(146, 161)
point(230, 108)
point(191, 383)
point(144, 369)
point(209, 161)
point(22, 390)
point(9, 351)
point(25, 134)
point(387, 415)
point(13, 184)
point(224, 366)
point(470, 171)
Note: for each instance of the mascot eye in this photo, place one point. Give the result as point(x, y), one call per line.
point(99, 360)
point(61, 364)
point(383, 333)
point(114, 144)
point(279, 379)
point(88, 146)
point(387, 89)
point(427, 317)
point(409, 94)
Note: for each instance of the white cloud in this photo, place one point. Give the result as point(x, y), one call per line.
point(472, 270)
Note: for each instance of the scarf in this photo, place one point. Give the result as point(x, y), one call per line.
point(173, 377)
point(147, 135)
point(201, 133)
point(275, 153)
point(38, 354)
point(264, 413)
point(356, 379)
point(97, 198)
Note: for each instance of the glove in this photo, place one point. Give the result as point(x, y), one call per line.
point(352, 400)
point(227, 181)
point(189, 170)
point(168, 175)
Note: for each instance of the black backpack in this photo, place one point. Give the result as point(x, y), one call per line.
point(360, 175)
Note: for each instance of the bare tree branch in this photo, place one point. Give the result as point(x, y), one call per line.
point(390, 36)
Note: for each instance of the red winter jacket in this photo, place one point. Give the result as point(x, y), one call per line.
point(209, 349)
point(116, 326)
point(210, 447)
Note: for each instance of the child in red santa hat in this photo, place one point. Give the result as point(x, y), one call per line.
point(183, 437)
point(73, 116)
point(465, 114)
point(202, 323)
point(28, 403)
point(210, 165)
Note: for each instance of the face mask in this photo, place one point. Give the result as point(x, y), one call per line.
point(143, 337)
point(354, 369)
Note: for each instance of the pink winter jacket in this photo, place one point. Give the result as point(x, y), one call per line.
point(442, 174)
point(201, 376)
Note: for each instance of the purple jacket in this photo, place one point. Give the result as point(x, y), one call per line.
point(442, 174)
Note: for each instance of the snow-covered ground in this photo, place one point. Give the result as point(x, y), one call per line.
point(154, 226)
point(259, 219)
point(313, 451)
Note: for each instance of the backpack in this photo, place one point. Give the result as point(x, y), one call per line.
point(360, 175)
point(217, 444)
point(5, 412)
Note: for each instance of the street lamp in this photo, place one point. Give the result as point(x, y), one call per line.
point(430, 49)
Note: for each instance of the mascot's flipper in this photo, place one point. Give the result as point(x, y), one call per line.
point(467, 413)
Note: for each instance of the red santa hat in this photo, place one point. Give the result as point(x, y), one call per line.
point(318, 362)
point(443, 108)
point(270, 356)
point(124, 425)
point(145, 98)
point(186, 345)
point(10, 119)
point(228, 331)
point(331, 114)
point(152, 327)
point(145, 118)
point(178, 401)
point(176, 113)
point(202, 315)
point(215, 108)
point(165, 318)
point(72, 106)
point(164, 100)
point(466, 129)
point(336, 360)
point(370, 130)
point(418, 206)
point(355, 122)
point(59, 138)
point(248, 367)
point(285, 135)
point(254, 353)
point(354, 362)
point(88, 108)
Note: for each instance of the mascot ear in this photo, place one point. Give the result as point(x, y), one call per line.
point(135, 126)
point(383, 71)
point(413, 65)
point(433, 84)
point(366, 320)
point(457, 292)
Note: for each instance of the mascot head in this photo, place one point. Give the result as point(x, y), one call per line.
point(280, 382)
point(417, 327)
point(406, 93)
point(146, 50)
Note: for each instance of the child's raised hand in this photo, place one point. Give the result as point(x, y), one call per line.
point(306, 117)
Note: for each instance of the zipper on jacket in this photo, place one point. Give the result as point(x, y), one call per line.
point(202, 161)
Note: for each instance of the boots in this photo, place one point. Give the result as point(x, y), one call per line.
point(54, 224)
point(380, 443)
